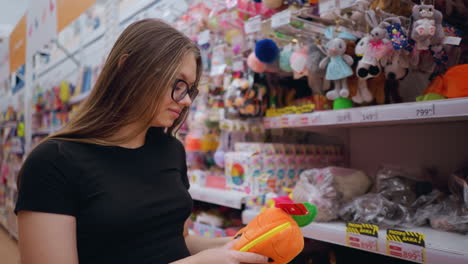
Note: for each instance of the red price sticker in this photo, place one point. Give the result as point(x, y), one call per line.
point(363, 236)
point(284, 121)
point(406, 245)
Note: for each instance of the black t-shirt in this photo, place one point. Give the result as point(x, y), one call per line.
point(130, 204)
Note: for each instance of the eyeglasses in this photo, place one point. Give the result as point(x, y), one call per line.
point(181, 88)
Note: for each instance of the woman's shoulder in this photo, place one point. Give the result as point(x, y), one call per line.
point(54, 147)
point(46, 149)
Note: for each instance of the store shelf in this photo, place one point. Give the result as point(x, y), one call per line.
point(16, 151)
point(9, 205)
point(45, 131)
point(10, 124)
point(405, 113)
point(441, 247)
point(79, 98)
point(12, 186)
point(226, 198)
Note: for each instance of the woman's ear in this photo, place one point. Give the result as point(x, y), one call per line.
point(122, 60)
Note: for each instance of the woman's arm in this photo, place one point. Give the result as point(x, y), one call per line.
point(46, 238)
point(197, 244)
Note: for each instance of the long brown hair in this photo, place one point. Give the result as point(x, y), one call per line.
point(132, 91)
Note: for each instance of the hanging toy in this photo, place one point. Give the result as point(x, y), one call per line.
point(396, 69)
point(299, 62)
point(337, 65)
point(397, 35)
point(276, 232)
point(373, 48)
point(273, 4)
point(427, 27)
point(364, 72)
point(219, 155)
point(285, 57)
point(316, 75)
point(255, 64)
point(266, 51)
point(367, 67)
point(298, 3)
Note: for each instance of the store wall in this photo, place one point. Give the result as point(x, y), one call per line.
point(443, 146)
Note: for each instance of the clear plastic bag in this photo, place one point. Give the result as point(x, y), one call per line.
point(328, 188)
point(450, 215)
point(458, 184)
point(394, 201)
point(424, 207)
point(374, 208)
point(396, 184)
point(319, 191)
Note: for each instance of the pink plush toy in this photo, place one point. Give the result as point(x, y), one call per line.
point(255, 64)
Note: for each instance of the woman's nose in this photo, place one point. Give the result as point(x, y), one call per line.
point(186, 101)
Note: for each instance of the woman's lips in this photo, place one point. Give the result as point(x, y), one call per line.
point(175, 112)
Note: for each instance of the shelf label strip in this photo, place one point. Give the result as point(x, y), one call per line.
point(362, 236)
point(406, 245)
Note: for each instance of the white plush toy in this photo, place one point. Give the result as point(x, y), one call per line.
point(337, 65)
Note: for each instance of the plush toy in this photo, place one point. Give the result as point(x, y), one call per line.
point(427, 27)
point(266, 50)
point(255, 64)
point(276, 232)
point(398, 7)
point(298, 63)
point(379, 45)
point(364, 72)
point(338, 67)
point(453, 84)
point(298, 3)
point(316, 75)
point(397, 67)
point(285, 57)
point(273, 4)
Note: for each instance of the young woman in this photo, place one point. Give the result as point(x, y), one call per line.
point(111, 187)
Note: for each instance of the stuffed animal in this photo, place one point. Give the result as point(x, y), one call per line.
point(316, 75)
point(364, 72)
point(427, 27)
point(453, 84)
point(273, 4)
point(397, 7)
point(372, 48)
point(276, 232)
point(338, 68)
point(367, 67)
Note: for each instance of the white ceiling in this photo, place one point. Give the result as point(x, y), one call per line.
point(10, 12)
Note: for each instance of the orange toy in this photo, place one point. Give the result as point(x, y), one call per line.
point(453, 84)
point(276, 232)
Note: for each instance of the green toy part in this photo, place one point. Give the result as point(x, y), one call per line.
point(430, 97)
point(303, 220)
point(342, 103)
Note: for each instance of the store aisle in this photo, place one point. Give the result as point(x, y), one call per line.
point(8, 249)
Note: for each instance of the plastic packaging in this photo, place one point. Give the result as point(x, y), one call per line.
point(328, 188)
point(458, 184)
point(401, 197)
point(450, 215)
point(374, 208)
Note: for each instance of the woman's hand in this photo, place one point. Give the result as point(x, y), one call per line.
point(223, 255)
point(227, 256)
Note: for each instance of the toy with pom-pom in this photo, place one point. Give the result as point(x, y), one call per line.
point(266, 51)
point(255, 64)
